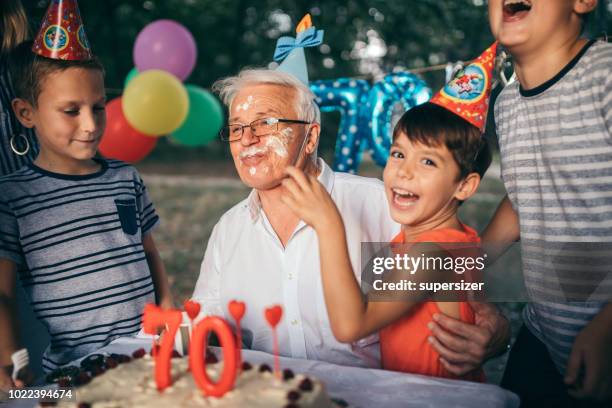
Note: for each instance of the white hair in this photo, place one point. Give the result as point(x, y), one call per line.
point(305, 105)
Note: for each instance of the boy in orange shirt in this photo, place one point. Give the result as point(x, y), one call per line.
point(437, 160)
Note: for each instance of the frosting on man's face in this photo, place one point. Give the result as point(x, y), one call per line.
point(246, 105)
point(261, 160)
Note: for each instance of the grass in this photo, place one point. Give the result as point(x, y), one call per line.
point(188, 210)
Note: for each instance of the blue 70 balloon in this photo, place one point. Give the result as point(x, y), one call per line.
point(349, 97)
point(402, 87)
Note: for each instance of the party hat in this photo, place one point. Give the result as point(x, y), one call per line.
point(467, 94)
point(62, 35)
point(291, 50)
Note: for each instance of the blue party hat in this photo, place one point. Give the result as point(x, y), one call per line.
point(290, 50)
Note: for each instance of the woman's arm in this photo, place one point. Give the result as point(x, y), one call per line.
point(8, 339)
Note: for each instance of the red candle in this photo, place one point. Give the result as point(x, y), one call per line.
point(273, 315)
point(237, 310)
point(192, 308)
point(197, 359)
point(154, 317)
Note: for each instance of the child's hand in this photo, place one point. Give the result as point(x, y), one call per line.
point(589, 370)
point(6, 381)
point(309, 200)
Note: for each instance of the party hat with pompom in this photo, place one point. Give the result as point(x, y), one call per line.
point(290, 50)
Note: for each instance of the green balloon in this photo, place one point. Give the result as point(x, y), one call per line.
point(204, 119)
point(133, 72)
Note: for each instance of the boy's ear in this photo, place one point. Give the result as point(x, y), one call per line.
point(584, 6)
point(24, 112)
point(468, 187)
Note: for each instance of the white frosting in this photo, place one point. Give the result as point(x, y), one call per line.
point(252, 151)
point(133, 385)
point(288, 133)
point(246, 105)
point(277, 145)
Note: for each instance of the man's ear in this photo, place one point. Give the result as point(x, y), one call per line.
point(584, 6)
point(468, 187)
point(24, 112)
point(313, 138)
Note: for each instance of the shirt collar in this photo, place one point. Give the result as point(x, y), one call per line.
point(254, 205)
point(326, 177)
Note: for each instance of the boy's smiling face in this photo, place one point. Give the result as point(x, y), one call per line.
point(422, 183)
point(69, 117)
point(525, 26)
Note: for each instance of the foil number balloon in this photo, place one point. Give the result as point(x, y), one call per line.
point(346, 96)
point(366, 113)
point(402, 87)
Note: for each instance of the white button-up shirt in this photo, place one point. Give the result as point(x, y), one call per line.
point(245, 260)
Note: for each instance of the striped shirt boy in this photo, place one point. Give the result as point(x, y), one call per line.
point(556, 150)
point(77, 241)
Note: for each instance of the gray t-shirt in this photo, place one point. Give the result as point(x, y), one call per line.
point(77, 241)
point(556, 150)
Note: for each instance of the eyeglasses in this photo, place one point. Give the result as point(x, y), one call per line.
point(259, 127)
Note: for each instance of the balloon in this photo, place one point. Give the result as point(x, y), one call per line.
point(402, 87)
point(120, 140)
point(155, 103)
point(347, 96)
point(165, 45)
point(204, 120)
point(133, 72)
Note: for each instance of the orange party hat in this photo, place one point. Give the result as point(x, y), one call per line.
point(467, 94)
point(62, 35)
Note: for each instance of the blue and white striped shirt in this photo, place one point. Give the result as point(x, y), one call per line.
point(77, 241)
point(10, 126)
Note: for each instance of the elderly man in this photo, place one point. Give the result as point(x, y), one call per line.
point(261, 253)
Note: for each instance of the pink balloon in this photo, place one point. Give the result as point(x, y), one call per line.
point(166, 45)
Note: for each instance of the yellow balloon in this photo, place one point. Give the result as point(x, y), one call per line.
point(155, 103)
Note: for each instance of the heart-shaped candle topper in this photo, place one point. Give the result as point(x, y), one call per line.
point(274, 314)
point(236, 309)
point(192, 308)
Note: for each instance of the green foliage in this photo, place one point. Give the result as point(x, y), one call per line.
point(232, 34)
point(235, 33)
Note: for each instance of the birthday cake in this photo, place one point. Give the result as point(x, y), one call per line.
point(122, 381)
